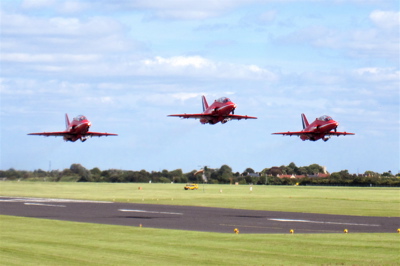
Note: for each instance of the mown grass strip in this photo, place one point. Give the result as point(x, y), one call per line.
point(30, 241)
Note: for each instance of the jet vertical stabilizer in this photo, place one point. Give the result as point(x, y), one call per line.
point(205, 104)
point(304, 120)
point(67, 123)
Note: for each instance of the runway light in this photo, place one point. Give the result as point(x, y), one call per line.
point(236, 231)
point(345, 231)
point(398, 230)
point(140, 225)
point(291, 231)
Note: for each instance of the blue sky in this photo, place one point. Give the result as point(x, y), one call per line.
point(126, 65)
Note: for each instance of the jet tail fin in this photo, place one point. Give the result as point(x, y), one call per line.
point(67, 121)
point(304, 120)
point(205, 104)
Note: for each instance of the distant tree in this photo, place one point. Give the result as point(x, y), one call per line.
point(314, 169)
point(190, 177)
point(265, 171)
point(176, 175)
point(40, 173)
point(274, 171)
point(95, 171)
point(165, 180)
point(262, 180)
point(249, 170)
point(224, 174)
point(291, 169)
point(11, 174)
point(387, 174)
point(82, 172)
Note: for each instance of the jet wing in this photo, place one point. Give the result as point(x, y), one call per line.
point(199, 116)
point(295, 133)
point(239, 117)
point(98, 134)
point(299, 133)
point(196, 116)
point(339, 133)
point(47, 134)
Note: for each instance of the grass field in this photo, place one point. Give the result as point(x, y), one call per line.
point(28, 241)
point(368, 201)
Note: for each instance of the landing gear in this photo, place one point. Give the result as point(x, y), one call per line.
point(326, 138)
point(225, 120)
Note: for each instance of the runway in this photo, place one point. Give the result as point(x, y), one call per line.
point(204, 219)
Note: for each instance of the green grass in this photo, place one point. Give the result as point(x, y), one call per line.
point(368, 201)
point(30, 241)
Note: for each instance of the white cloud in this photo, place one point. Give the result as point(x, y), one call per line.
point(31, 4)
point(199, 66)
point(268, 16)
point(47, 58)
point(375, 74)
point(386, 19)
point(183, 96)
point(185, 10)
point(64, 35)
point(18, 24)
point(179, 61)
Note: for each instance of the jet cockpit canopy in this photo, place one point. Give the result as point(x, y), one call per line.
point(223, 100)
point(80, 118)
point(325, 118)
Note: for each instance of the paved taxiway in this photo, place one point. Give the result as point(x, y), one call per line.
point(193, 218)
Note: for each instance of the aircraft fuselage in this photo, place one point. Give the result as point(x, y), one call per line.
point(218, 112)
point(320, 129)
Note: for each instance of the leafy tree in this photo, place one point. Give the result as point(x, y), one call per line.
point(292, 169)
point(274, 171)
point(387, 174)
point(95, 171)
point(224, 174)
point(249, 171)
point(302, 170)
point(82, 172)
point(176, 175)
point(315, 169)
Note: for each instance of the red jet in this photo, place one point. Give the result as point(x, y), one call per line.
point(219, 111)
point(318, 129)
point(78, 129)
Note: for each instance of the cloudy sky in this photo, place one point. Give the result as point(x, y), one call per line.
point(126, 65)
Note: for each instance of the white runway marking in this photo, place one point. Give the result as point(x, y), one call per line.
point(21, 199)
point(319, 222)
point(127, 210)
point(41, 204)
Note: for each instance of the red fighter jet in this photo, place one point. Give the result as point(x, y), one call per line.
point(78, 129)
point(318, 129)
point(219, 111)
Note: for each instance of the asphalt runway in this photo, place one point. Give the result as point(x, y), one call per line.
point(193, 218)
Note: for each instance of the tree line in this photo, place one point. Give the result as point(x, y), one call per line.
point(313, 174)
